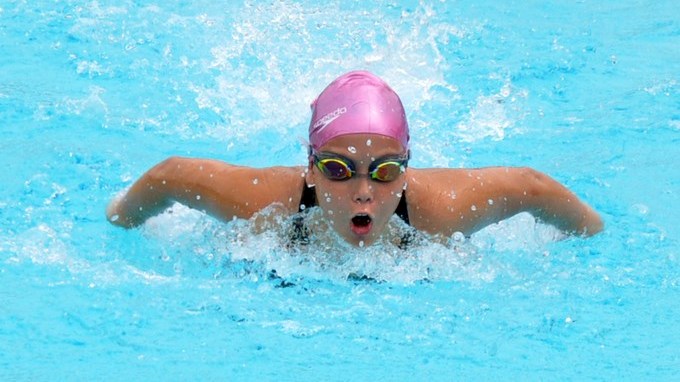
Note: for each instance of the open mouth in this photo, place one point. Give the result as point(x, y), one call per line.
point(361, 224)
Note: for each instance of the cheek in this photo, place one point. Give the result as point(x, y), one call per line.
point(331, 199)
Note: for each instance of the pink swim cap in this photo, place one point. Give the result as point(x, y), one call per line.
point(357, 102)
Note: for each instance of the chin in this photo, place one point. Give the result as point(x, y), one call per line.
point(360, 241)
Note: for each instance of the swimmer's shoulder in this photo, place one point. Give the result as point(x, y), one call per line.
point(242, 190)
point(434, 198)
point(279, 184)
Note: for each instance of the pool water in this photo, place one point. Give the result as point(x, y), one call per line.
point(93, 93)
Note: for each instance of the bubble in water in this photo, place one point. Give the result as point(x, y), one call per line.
point(255, 181)
point(473, 207)
point(328, 200)
point(352, 149)
point(641, 209)
point(114, 218)
point(198, 197)
point(490, 201)
point(302, 206)
point(361, 243)
point(368, 142)
point(458, 236)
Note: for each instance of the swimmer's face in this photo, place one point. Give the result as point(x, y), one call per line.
point(359, 207)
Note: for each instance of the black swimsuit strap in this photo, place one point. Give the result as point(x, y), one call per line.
point(402, 209)
point(308, 198)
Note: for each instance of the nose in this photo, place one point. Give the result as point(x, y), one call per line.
point(363, 190)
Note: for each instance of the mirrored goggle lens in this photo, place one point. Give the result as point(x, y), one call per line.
point(387, 171)
point(334, 169)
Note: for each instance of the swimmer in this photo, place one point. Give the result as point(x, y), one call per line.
point(358, 175)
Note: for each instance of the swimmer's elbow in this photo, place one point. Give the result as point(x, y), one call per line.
point(169, 165)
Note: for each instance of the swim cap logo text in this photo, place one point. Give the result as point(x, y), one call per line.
point(328, 118)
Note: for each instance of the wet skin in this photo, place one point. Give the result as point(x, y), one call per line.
point(359, 208)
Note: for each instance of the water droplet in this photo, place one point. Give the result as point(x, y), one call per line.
point(198, 197)
point(328, 200)
point(490, 202)
point(255, 181)
point(302, 207)
point(361, 243)
point(473, 207)
point(368, 142)
point(352, 149)
point(453, 194)
point(114, 218)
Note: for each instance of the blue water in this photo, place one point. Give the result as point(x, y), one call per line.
point(94, 93)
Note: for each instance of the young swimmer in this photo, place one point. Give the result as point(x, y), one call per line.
point(358, 175)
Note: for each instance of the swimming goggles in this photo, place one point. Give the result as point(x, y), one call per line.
point(337, 167)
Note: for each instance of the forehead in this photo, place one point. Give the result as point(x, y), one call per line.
point(358, 145)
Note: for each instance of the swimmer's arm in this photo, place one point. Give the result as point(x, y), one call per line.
point(468, 200)
point(222, 190)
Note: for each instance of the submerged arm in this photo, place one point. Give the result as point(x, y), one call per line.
point(468, 200)
point(217, 188)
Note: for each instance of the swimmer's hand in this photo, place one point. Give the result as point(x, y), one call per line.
point(132, 208)
point(112, 209)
